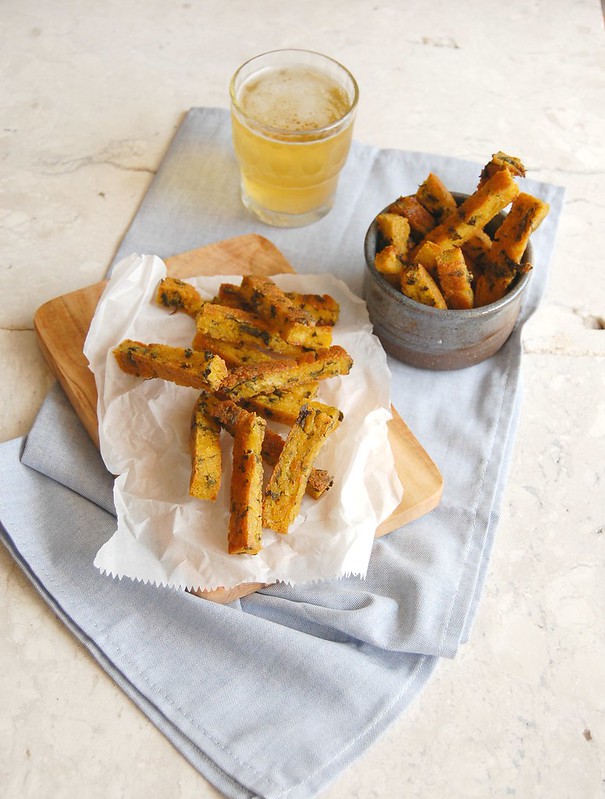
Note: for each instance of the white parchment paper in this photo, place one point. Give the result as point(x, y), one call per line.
point(167, 537)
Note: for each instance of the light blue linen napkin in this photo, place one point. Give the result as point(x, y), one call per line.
point(275, 694)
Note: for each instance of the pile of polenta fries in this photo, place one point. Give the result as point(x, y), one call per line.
point(440, 254)
point(257, 356)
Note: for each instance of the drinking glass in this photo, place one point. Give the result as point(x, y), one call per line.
point(292, 114)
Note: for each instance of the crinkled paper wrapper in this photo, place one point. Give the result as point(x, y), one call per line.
point(167, 537)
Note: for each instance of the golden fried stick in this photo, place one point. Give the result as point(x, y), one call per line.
point(246, 498)
point(323, 308)
point(525, 216)
point(241, 327)
point(264, 378)
point(421, 221)
point(395, 230)
point(498, 162)
point(231, 296)
point(319, 479)
point(478, 247)
point(180, 365)
point(426, 255)
point(389, 264)
point(233, 354)
point(286, 486)
point(225, 411)
point(433, 195)
point(475, 212)
point(292, 323)
point(282, 406)
point(439, 201)
point(455, 280)
point(503, 265)
point(179, 296)
point(227, 414)
point(417, 284)
point(493, 283)
point(206, 458)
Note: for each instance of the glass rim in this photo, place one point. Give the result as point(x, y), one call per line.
point(298, 134)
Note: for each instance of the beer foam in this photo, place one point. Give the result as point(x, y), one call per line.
point(293, 98)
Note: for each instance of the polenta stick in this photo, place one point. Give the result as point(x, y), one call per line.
point(525, 216)
point(231, 296)
point(426, 255)
point(475, 212)
point(417, 284)
point(510, 241)
point(282, 406)
point(293, 324)
point(478, 247)
point(395, 230)
point(179, 365)
point(323, 308)
point(263, 378)
point(179, 296)
point(232, 354)
point(439, 201)
point(435, 197)
point(319, 480)
point(498, 162)
point(236, 326)
point(206, 459)
point(493, 283)
point(270, 302)
point(389, 264)
point(227, 414)
point(455, 281)
point(246, 498)
point(284, 492)
point(421, 221)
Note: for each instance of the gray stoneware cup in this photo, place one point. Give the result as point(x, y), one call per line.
point(431, 338)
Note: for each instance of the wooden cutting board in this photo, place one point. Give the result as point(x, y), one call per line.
point(62, 325)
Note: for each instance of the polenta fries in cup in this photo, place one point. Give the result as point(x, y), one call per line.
point(446, 272)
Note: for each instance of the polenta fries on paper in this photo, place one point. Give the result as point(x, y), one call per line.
point(257, 357)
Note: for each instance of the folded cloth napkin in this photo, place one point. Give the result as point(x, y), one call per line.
point(273, 695)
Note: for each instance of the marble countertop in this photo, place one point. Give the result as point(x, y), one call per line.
point(91, 96)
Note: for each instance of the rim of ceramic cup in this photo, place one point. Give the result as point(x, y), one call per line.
point(296, 53)
point(370, 241)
